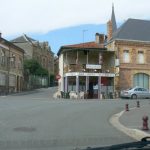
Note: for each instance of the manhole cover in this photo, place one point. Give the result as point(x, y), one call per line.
point(25, 129)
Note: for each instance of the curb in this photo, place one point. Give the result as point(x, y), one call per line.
point(23, 93)
point(133, 133)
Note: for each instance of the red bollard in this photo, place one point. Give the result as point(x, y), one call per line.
point(127, 107)
point(138, 104)
point(145, 123)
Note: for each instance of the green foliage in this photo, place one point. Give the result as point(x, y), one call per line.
point(31, 66)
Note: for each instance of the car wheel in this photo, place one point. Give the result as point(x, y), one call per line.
point(134, 96)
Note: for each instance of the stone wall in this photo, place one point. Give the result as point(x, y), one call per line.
point(128, 70)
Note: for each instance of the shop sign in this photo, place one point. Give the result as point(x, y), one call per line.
point(89, 66)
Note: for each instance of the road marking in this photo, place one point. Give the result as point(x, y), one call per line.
point(133, 133)
point(40, 98)
point(3, 96)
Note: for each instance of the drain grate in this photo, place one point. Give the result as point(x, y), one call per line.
point(25, 129)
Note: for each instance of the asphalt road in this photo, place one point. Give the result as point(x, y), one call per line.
point(35, 120)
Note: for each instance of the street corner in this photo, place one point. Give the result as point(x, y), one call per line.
point(134, 128)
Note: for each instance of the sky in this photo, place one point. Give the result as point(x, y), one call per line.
point(61, 22)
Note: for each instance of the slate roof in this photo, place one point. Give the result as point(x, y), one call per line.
point(133, 29)
point(23, 39)
point(8, 43)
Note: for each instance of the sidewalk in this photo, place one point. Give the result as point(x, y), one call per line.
point(133, 118)
point(131, 123)
point(23, 92)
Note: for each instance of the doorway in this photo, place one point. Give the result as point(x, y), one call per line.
point(93, 88)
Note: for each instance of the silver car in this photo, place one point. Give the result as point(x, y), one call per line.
point(136, 92)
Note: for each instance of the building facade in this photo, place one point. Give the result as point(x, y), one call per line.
point(39, 51)
point(11, 67)
point(131, 44)
point(87, 67)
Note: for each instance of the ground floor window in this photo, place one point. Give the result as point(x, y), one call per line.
point(141, 79)
point(90, 84)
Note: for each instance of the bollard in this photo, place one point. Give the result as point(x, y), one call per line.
point(138, 104)
point(127, 107)
point(145, 123)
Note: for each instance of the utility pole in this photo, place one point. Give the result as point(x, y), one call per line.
point(83, 31)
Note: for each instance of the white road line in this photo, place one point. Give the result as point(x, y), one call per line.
point(134, 133)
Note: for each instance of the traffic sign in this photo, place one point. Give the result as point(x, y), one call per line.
point(58, 77)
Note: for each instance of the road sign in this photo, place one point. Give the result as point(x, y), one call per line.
point(58, 77)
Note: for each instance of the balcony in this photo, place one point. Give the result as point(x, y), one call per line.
point(82, 68)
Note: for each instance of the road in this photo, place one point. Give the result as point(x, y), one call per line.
point(37, 121)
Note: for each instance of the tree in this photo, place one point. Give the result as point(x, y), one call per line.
point(33, 67)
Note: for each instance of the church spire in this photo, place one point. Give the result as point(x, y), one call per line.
point(113, 20)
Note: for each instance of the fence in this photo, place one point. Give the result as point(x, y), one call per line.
point(35, 82)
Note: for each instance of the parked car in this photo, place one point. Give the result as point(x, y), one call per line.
point(136, 92)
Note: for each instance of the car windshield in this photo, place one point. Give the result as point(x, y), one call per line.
point(74, 73)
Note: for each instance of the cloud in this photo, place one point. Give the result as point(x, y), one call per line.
point(42, 16)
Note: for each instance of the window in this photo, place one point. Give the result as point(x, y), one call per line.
point(12, 61)
point(2, 57)
point(141, 79)
point(126, 57)
point(140, 57)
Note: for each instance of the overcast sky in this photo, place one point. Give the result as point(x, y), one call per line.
point(43, 16)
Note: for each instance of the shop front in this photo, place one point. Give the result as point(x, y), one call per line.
point(94, 85)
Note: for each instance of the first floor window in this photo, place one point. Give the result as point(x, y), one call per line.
point(140, 57)
point(126, 57)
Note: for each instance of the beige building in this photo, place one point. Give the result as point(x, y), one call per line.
point(11, 67)
point(131, 44)
point(39, 51)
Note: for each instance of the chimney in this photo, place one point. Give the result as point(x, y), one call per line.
point(109, 30)
point(99, 38)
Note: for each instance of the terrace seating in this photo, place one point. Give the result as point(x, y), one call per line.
point(81, 95)
point(57, 94)
point(73, 95)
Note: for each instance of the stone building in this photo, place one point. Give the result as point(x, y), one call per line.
point(131, 44)
point(11, 67)
point(39, 51)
